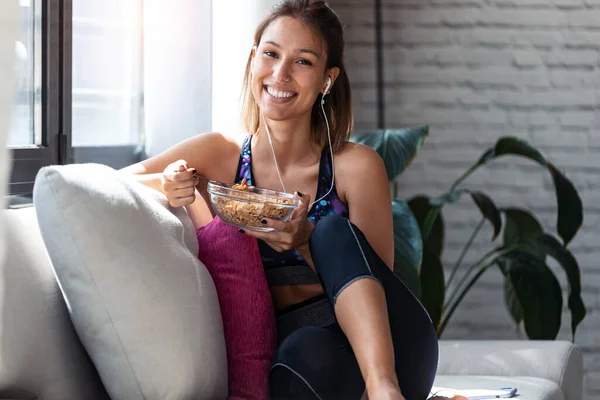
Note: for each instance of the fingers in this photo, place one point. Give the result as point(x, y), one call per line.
point(277, 225)
point(182, 196)
point(178, 183)
point(302, 209)
point(182, 201)
point(277, 240)
point(184, 191)
point(175, 167)
point(181, 174)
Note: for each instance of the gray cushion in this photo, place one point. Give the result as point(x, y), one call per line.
point(557, 361)
point(528, 388)
point(143, 305)
point(39, 350)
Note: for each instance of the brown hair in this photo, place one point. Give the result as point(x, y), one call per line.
point(317, 15)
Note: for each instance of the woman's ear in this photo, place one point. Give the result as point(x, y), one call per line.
point(252, 55)
point(332, 74)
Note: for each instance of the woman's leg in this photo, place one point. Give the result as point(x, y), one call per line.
point(315, 363)
point(389, 330)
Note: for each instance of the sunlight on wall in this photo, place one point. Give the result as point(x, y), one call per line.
point(177, 71)
point(234, 23)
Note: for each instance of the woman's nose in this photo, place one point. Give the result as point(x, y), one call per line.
point(281, 72)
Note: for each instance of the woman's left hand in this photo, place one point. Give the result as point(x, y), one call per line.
point(293, 234)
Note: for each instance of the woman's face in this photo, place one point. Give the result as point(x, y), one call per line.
point(289, 69)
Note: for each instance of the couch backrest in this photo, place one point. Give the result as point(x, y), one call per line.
point(39, 350)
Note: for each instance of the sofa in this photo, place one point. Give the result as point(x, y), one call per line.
point(42, 356)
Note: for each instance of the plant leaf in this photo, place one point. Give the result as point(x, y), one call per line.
point(433, 288)
point(522, 227)
point(489, 211)
point(570, 208)
point(518, 147)
point(538, 292)
point(569, 264)
point(512, 302)
point(408, 246)
point(484, 202)
point(397, 147)
point(420, 206)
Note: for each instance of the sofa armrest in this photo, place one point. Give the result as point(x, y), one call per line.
point(557, 361)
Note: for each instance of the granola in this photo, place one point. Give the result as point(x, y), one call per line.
point(250, 213)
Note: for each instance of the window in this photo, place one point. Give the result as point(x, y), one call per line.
point(26, 123)
point(107, 79)
point(79, 93)
point(35, 131)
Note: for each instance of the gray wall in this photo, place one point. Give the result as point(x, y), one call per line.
point(9, 29)
point(475, 70)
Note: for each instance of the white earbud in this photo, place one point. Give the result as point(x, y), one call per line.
point(326, 90)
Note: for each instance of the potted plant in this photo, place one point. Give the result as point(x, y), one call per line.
point(520, 244)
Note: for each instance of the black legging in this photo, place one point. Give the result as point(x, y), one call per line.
point(317, 362)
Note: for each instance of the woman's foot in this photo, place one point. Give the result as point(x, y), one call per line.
point(384, 390)
point(391, 392)
point(385, 394)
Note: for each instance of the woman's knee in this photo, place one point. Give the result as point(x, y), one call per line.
point(332, 236)
point(340, 254)
point(327, 230)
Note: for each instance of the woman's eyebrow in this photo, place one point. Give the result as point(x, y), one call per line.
point(297, 50)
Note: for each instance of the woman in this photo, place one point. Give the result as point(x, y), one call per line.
point(345, 322)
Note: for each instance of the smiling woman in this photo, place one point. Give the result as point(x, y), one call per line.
point(341, 312)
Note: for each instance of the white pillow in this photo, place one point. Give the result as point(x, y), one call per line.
point(143, 305)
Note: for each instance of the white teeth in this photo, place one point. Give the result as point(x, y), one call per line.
point(278, 94)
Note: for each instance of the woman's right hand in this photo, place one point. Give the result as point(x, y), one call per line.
point(178, 184)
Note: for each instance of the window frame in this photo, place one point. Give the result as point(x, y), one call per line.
point(26, 161)
point(56, 111)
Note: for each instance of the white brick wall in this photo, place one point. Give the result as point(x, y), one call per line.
point(475, 70)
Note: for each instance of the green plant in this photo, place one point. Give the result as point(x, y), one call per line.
point(531, 290)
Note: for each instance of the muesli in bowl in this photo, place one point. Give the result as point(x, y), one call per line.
point(244, 206)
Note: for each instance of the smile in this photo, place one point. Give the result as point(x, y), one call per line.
point(279, 94)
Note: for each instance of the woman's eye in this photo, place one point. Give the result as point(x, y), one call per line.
point(304, 62)
point(270, 54)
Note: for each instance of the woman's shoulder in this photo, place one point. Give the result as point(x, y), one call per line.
point(215, 145)
point(213, 151)
point(355, 156)
point(356, 167)
point(218, 140)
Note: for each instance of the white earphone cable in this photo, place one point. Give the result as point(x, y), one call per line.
point(273, 151)
point(330, 152)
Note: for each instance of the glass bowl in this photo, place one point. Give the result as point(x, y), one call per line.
point(245, 208)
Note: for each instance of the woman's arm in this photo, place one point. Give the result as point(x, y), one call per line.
point(208, 153)
point(362, 179)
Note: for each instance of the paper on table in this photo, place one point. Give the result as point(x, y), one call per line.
point(473, 394)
